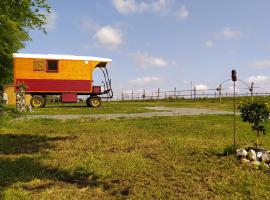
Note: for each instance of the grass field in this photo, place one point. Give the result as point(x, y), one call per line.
point(147, 158)
point(137, 106)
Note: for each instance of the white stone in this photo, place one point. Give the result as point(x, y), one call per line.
point(266, 157)
point(251, 155)
point(242, 153)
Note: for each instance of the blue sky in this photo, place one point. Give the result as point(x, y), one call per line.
point(163, 43)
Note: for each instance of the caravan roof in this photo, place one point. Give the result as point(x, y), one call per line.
point(61, 57)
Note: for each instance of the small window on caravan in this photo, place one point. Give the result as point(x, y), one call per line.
point(52, 65)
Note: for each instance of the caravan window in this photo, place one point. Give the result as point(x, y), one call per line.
point(52, 65)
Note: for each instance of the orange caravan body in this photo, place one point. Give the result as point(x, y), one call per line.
point(64, 75)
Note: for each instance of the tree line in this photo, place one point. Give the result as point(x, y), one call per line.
point(17, 18)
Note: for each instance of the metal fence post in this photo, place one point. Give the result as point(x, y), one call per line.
point(220, 93)
point(174, 94)
point(158, 91)
point(195, 93)
point(144, 95)
point(251, 91)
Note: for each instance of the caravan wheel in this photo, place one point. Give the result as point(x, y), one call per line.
point(94, 102)
point(37, 101)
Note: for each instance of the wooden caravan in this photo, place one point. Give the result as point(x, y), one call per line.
point(63, 75)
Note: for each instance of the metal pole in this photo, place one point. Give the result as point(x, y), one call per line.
point(195, 93)
point(234, 115)
point(174, 94)
point(220, 93)
point(144, 95)
point(191, 90)
point(158, 91)
point(251, 91)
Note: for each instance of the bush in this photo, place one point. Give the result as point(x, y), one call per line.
point(257, 114)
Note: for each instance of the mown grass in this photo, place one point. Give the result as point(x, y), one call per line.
point(147, 158)
point(138, 106)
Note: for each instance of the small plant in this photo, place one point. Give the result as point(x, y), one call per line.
point(228, 150)
point(257, 114)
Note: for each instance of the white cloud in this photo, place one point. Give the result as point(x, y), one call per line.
point(231, 33)
point(261, 63)
point(257, 79)
point(209, 44)
point(51, 19)
point(145, 60)
point(186, 82)
point(133, 6)
point(182, 13)
point(140, 90)
point(174, 63)
point(225, 33)
point(145, 80)
point(201, 87)
point(160, 5)
point(125, 6)
point(109, 37)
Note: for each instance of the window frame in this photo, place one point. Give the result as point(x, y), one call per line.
point(47, 66)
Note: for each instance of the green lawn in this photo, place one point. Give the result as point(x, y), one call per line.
point(136, 106)
point(151, 158)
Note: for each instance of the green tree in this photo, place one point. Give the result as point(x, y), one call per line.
point(257, 114)
point(17, 17)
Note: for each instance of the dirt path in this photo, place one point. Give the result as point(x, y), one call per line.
point(165, 111)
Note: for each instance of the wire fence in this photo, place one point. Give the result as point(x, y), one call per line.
point(193, 94)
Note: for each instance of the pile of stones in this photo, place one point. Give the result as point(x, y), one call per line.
point(20, 99)
point(258, 158)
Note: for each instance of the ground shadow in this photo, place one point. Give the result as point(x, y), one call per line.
point(20, 163)
point(27, 144)
point(66, 106)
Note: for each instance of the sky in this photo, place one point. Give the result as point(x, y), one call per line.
point(163, 43)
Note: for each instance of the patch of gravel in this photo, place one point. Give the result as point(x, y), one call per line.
point(166, 111)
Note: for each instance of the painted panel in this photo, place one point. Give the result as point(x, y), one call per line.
point(69, 98)
point(68, 70)
point(97, 89)
point(44, 85)
point(39, 65)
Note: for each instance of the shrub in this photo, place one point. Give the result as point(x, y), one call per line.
point(257, 114)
